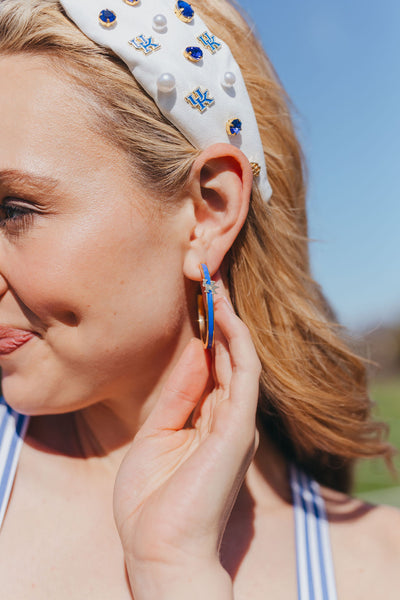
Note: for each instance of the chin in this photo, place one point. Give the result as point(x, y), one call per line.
point(34, 398)
point(20, 399)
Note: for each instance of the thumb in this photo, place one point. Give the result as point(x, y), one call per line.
point(181, 393)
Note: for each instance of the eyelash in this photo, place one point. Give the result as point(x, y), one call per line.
point(17, 222)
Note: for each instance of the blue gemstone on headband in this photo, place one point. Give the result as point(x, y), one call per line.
point(107, 16)
point(185, 9)
point(194, 53)
point(235, 126)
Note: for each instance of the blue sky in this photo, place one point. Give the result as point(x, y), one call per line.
point(340, 63)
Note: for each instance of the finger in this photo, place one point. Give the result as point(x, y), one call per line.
point(222, 360)
point(183, 390)
point(222, 366)
point(246, 367)
point(221, 288)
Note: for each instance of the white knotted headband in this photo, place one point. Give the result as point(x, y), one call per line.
point(191, 75)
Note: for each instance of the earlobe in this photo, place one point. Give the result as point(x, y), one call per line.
point(220, 187)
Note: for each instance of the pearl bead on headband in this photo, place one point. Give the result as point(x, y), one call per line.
point(191, 75)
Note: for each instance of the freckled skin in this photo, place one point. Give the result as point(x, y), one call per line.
point(96, 277)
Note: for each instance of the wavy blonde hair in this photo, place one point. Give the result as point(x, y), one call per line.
point(313, 399)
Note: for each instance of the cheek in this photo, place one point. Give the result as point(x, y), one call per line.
point(64, 267)
point(110, 301)
point(100, 280)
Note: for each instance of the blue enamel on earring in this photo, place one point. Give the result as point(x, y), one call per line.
point(205, 306)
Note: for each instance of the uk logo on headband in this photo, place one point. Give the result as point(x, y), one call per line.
point(187, 69)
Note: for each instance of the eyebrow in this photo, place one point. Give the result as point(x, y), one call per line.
point(28, 181)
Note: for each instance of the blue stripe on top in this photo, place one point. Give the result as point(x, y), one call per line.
point(13, 427)
point(315, 572)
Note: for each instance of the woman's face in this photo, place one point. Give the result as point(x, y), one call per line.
point(85, 263)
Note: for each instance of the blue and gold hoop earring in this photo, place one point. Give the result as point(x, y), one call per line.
point(205, 306)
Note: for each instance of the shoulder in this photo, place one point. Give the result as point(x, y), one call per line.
point(380, 521)
point(365, 545)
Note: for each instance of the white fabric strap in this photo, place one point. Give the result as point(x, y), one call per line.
point(315, 572)
point(203, 98)
point(13, 427)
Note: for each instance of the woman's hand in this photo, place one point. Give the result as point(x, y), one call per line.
point(177, 484)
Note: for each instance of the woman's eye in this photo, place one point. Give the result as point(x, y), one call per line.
point(15, 218)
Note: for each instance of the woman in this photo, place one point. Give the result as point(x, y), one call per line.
point(139, 476)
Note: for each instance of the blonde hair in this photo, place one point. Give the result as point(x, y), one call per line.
point(313, 399)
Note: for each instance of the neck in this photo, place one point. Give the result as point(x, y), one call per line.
point(105, 429)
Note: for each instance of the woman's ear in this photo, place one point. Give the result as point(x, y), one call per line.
point(219, 188)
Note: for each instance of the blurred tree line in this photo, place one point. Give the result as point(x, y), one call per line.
point(382, 346)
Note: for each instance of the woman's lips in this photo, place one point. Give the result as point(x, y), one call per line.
point(11, 339)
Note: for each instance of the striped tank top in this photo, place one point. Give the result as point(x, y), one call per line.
point(315, 574)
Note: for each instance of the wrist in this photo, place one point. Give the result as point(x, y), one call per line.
point(180, 582)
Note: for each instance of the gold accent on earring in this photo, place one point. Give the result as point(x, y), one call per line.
point(201, 318)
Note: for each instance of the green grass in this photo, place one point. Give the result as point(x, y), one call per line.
point(373, 481)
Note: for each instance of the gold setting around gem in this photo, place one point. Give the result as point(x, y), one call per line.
point(255, 167)
point(179, 11)
point(187, 55)
point(132, 2)
point(108, 23)
point(228, 127)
